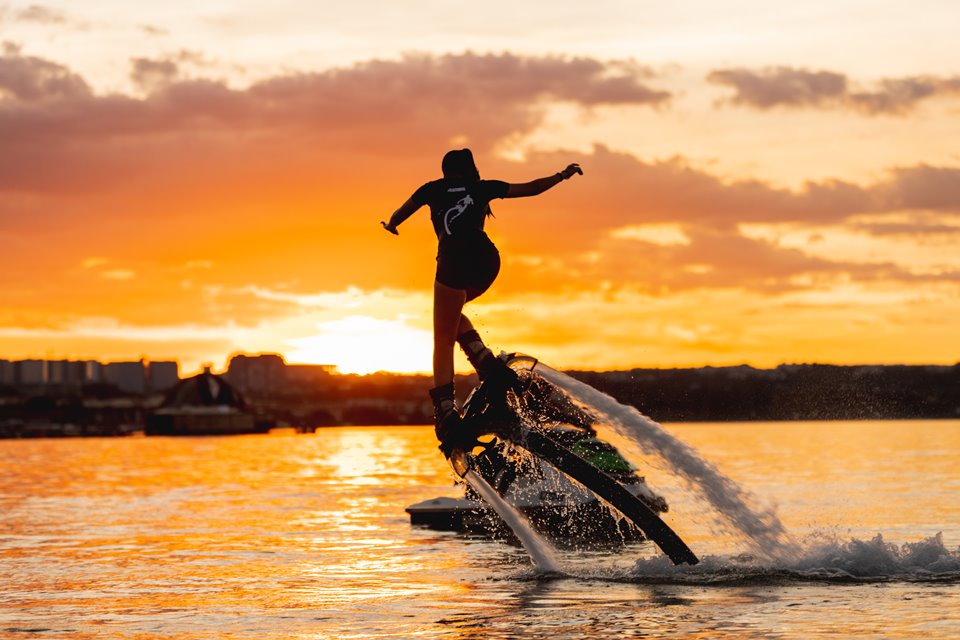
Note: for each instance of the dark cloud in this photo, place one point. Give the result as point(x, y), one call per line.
point(509, 77)
point(150, 75)
point(623, 190)
point(782, 86)
point(26, 79)
point(897, 96)
point(57, 131)
point(155, 74)
point(496, 94)
point(923, 187)
point(795, 88)
point(633, 192)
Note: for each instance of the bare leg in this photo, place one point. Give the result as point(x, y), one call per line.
point(464, 326)
point(447, 320)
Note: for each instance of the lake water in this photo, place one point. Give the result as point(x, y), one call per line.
point(305, 536)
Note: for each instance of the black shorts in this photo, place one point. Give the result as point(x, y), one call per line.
point(471, 266)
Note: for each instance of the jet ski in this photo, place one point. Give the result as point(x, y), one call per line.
point(556, 506)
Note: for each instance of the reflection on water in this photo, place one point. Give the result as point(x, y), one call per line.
point(305, 537)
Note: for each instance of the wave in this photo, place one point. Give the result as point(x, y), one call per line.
point(825, 559)
point(852, 561)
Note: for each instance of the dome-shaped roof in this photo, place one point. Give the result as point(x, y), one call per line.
point(204, 390)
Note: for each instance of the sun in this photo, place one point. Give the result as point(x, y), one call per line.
point(363, 344)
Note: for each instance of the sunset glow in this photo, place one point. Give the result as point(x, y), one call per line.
point(360, 344)
point(762, 184)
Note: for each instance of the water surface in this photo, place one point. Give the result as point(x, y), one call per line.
point(304, 536)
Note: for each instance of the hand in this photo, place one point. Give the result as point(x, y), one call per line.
point(389, 227)
point(571, 169)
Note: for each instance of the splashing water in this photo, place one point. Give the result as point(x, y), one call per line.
point(827, 559)
point(762, 529)
point(876, 557)
point(542, 553)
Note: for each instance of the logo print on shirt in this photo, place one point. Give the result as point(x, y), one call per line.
point(454, 212)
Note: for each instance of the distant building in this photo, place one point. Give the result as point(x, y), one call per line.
point(263, 373)
point(132, 377)
point(30, 372)
point(205, 404)
point(55, 371)
point(77, 372)
point(268, 372)
point(127, 376)
point(7, 373)
point(309, 374)
point(163, 375)
point(65, 372)
point(92, 372)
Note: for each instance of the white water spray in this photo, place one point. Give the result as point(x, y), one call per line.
point(825, 558)
point(763, 530)
point(542, 553)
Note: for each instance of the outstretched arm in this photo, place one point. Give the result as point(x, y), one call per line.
point(406, 210)
point(536, 187)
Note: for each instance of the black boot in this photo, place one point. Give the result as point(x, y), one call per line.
point(487, 365)
point(444, 411)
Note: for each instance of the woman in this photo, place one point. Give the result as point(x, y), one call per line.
point(467, 264)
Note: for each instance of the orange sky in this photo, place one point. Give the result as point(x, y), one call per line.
point(177, 184)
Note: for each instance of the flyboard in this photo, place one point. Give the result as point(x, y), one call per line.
point(495, 409)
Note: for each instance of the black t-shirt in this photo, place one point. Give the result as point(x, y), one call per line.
point(458, 207)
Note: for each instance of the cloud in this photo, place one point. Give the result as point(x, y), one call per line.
point(851, 324)
point(923, 187)
point(790, 87)
point(900, 95)
point(728, 259)
point(27, 79)
point(281, 185)
point(119, 274)
point(781, 86)
point(910, 230)
point(197, 204)
point(151, 75)
point(61, 137)
point(153, 30)
point(154, 74)
point(621, 190)
point(710, 259)
point(496, 94)
point(922, 226)
point(41, 14)
point(665, 226)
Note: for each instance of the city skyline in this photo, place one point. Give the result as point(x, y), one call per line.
point(135, 376)
point(86, 370)
point(763, 184)
point(42, 366)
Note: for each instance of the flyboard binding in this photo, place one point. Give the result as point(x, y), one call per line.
point(493, 411)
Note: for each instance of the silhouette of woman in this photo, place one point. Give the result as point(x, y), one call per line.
point(467, 264)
